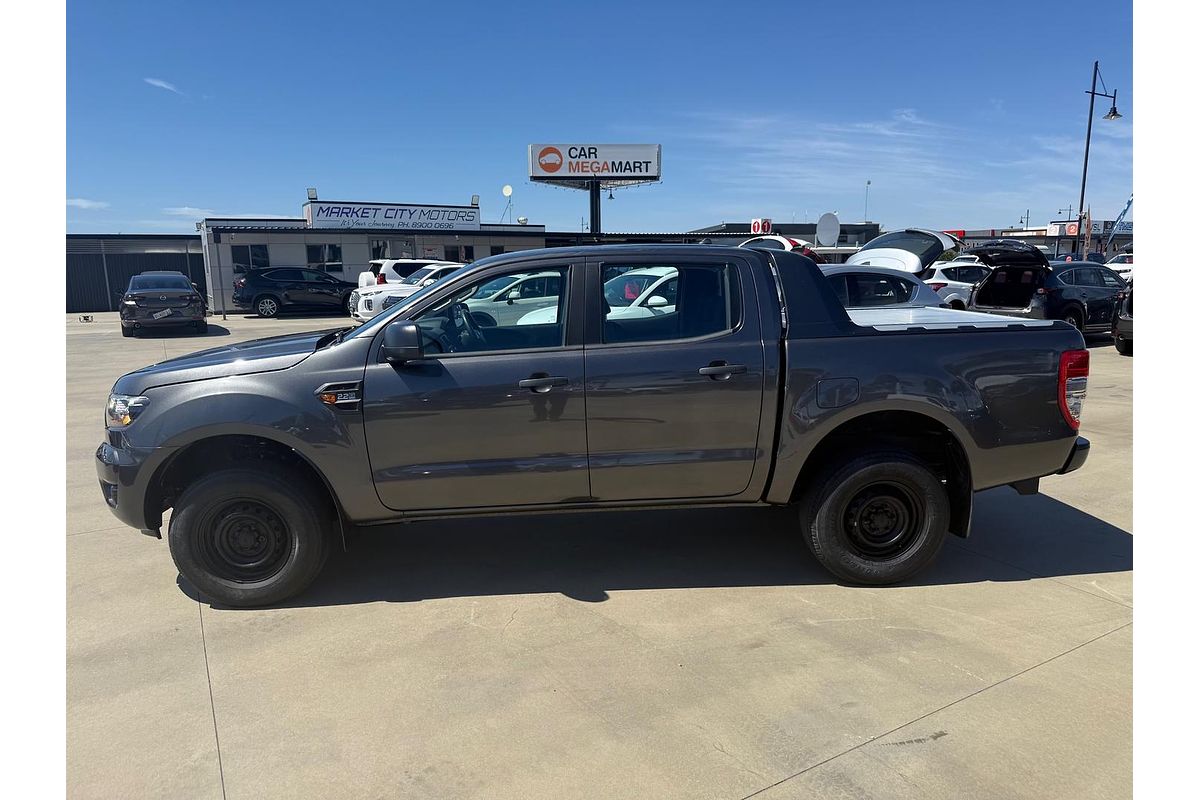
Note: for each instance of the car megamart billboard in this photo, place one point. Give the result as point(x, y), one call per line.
point(605, 162)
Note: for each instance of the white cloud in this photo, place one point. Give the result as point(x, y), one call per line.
point(87, 205)
point(161, 84)
point(189, 211)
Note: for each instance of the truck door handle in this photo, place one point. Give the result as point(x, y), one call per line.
point(722, 371)
point(541, 383)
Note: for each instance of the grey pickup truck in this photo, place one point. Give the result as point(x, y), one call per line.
point(742, 381)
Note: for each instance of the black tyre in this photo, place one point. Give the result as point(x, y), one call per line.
point(876, 518)
point(267, 306)
point(958, 305)
point(1123, 345)
point(1074, 318)
point(249, 538)
point(127, 332)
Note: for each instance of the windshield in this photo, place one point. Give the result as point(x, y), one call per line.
point(418, 276)
point(142, 282)
point(622, 290)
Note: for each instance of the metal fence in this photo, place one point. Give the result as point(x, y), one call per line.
point(99, 268)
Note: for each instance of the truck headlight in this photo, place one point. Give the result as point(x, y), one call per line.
point(123, 409)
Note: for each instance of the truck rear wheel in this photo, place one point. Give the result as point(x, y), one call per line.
point(248, 538)
point(876, 518)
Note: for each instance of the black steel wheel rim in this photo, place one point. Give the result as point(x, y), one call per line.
point(244, 541)
point(883, 520)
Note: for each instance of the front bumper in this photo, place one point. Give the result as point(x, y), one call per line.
point(124, 474)
point(1078, 456)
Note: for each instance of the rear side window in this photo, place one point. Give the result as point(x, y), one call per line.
point(864, 290)
point(1088, 277)
point(283, 275)
point(697, 300)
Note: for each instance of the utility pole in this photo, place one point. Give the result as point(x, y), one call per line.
point(1087, 145)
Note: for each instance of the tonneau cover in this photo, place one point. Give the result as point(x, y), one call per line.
point(898, 319)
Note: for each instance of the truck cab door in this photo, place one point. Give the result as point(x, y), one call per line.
point(674, 400)
point(492, 416)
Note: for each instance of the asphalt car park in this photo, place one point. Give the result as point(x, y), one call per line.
point(655, 654)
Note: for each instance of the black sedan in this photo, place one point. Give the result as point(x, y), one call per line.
point(161, 300)
point(270, 291)
point(1122, 326)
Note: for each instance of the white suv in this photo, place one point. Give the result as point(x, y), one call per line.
point(366, 302)
point(953, 281)
point(382, 271)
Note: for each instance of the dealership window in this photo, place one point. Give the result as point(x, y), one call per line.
point(249, 256)
point(327, 257)
point(497, 249)
point(380, 249)
point(468, 253)
point(451, 252)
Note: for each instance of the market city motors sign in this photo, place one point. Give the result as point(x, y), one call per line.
point(575, 162)
point(320, 214)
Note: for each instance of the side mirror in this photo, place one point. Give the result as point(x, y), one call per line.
point(657, 301)
point(402, 342)
point(515, 294)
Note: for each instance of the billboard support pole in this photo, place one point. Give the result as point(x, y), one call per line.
point(594, 195)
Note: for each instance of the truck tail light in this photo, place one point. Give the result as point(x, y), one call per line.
point(1073, 368)
point(937, 287)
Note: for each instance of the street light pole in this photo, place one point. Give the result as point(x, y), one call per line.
point(867, 203)
point(1087, 146)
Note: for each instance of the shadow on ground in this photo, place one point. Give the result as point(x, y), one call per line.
point(182, 333)
point(584, 556)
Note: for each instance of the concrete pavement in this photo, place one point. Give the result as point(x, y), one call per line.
point(666, 654)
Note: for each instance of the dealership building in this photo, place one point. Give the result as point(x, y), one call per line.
point(341, 238)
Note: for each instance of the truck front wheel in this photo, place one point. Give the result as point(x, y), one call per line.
point(875, 519)
point(248, 538)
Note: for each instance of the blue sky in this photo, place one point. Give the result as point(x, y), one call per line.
point(961, 115)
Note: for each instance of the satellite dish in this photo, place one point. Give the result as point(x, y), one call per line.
point(828, 230)
point(506, 191)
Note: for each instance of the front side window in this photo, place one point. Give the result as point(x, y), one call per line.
point(693, 300)
point(1110, 279)
point(512, 311)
